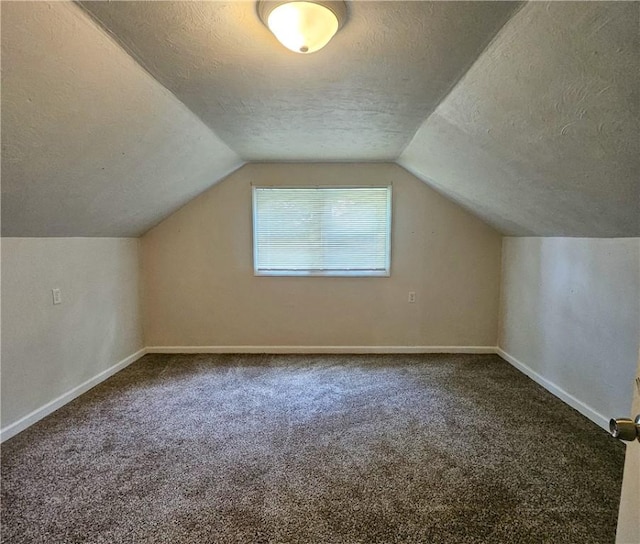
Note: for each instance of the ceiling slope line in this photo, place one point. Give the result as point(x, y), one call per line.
point(270, 104)
point(96, 21)
point(98, 147)
point(455, 199)
point(192, 198)
point(464, 72)
point(511, 159)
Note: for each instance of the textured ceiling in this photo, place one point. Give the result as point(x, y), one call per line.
point(538, 133)
point(542, 135)
point(362, 97)
point(91, 144)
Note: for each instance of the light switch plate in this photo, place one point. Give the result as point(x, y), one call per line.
point(57, 296)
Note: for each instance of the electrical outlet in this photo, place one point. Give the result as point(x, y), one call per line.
point(57, 296)
point(412, 297)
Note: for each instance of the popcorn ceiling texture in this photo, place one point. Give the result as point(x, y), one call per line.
point(542, 135)
point(178, 449)
point(361, 98)
point(532, 125)
point(91, 144)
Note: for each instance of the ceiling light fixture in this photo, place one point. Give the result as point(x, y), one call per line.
point(303, 27)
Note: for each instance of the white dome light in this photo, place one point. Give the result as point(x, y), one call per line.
point(303, 27)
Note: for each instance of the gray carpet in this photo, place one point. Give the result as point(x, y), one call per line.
point(327, 449)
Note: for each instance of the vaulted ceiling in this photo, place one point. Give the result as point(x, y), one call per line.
point(542, 135)
point(361, 98)
point(114, 114)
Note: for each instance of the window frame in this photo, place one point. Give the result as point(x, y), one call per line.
point(321, 272)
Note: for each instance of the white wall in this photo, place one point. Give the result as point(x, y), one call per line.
point(570, 317)
point(199, 287)
point(48, 350)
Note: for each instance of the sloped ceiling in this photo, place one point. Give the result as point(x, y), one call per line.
point(542, 135)
point(91, 144)
point(537, 132)
point(361, 98)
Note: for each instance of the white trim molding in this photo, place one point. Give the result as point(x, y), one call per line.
point(321, 349)
point(556, 390)
point(31, 418)
point(17, 426)
point(26, 421)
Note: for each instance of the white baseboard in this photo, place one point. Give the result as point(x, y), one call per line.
point(321, 349)
point(556, 390)
point(31, 418)
point(28, 420)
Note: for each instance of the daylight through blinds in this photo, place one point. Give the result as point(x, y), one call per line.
point(322, 230)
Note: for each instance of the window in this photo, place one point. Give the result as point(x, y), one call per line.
point(322, 231)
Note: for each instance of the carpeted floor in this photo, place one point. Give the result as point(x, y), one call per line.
point(324, 449)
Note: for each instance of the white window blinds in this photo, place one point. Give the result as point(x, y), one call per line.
point(322, 231)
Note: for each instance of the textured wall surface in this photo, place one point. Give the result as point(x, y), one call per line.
point(542, 135)
point(199, 287)
point(91, 144)
point(48, 350)
point(361, 97)
point(570, 311)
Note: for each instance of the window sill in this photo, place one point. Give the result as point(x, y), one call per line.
point(324, 273)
